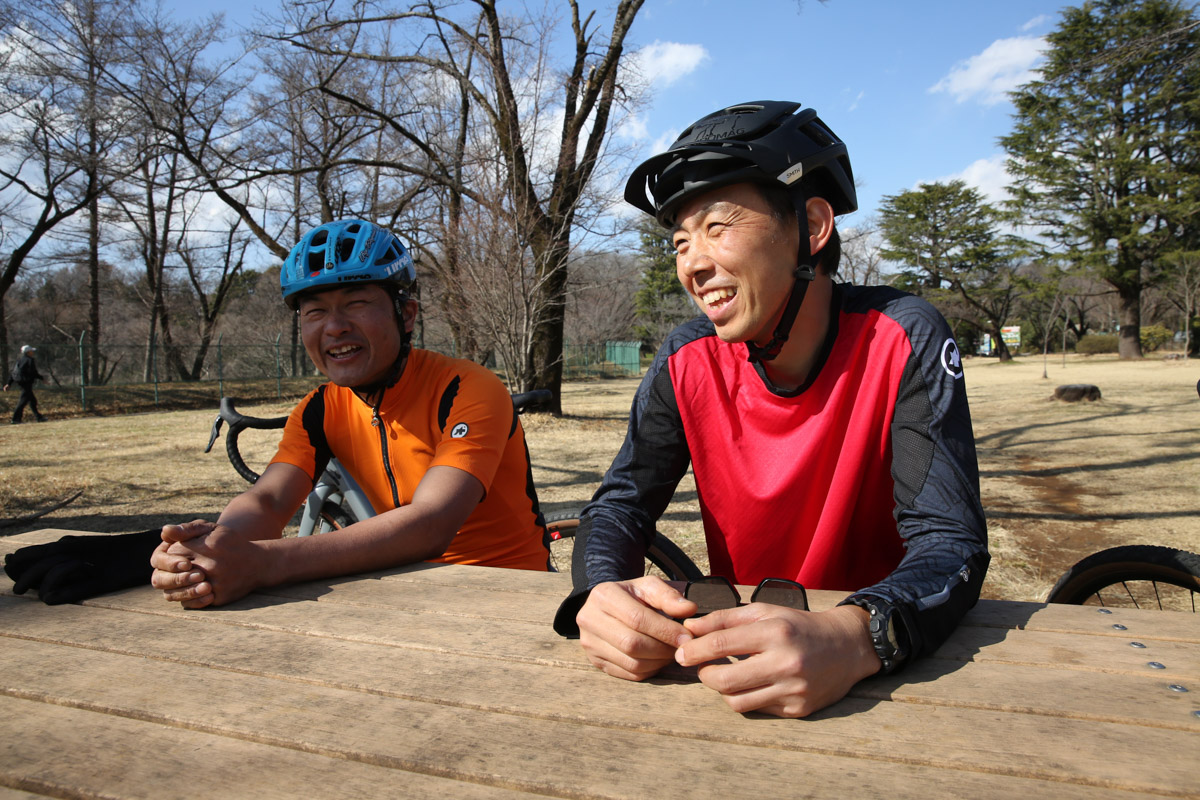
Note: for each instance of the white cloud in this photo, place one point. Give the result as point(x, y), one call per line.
point(664, 141)
point(634, 129)
point(1002, 67)
point(663, 63)
point(987, 175)
point(1036, 22)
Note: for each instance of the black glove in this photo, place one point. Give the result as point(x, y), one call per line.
point(78, 567)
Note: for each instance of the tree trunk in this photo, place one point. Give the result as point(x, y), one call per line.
point(94, 288)
point(4, 334)
point(1129, 345)
point(1002, 351)
point(543, 368)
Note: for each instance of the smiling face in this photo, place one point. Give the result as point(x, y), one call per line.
point(351, 333)
point(736, 260)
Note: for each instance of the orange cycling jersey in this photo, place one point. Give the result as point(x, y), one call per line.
point(442, 412)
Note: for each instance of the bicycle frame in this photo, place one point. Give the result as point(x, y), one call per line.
point(335, 486)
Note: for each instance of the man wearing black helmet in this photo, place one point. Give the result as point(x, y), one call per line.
point(433, 441)
point(826, 425)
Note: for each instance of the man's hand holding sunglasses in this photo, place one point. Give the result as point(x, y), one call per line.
point(622, 631)
point(790, 662)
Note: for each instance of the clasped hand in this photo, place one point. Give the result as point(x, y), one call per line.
point(202, 563)
point(759, 657)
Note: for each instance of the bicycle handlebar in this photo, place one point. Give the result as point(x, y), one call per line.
point(525, 400)
point(238, 422)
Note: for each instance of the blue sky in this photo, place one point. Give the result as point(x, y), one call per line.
point(915, 89)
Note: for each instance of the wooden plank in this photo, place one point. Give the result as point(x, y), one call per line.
point(1180, 661)
point(524, 629)
point(429, 598)
point(444, 633)
point(239, 712)
point(1133, 700)
point(521, 581)
point(1139, 623)
point(67, 752)
point(17, 794)
point(1125, 698)
point(935, 728)
point(531, 638)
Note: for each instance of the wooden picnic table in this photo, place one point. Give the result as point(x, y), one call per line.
point(447, 681)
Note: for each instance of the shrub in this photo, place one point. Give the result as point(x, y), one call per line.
point(1153, 337)
point(1095, 343)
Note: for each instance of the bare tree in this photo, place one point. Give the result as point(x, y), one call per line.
point(512, 107)
point(60, 147)
point(601, 298)
point(862, 261)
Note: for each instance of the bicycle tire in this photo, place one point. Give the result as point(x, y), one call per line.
point(334, 518)
point(1121, 566)
point(663, 554)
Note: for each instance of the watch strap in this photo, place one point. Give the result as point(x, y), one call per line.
point(886, 627)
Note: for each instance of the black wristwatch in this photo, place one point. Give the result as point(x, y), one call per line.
point(888, 633)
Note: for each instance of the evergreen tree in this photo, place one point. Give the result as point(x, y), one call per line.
point(1105, 148)
point(947, 238)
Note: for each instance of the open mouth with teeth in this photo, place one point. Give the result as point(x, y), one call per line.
point(718, 297)
point(343, 351)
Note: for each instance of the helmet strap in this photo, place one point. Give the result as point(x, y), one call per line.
point(377, 388)
point(804, 274)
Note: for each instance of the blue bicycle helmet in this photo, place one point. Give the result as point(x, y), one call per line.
point(342, 252)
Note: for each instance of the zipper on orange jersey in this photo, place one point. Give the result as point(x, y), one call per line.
point(387, 462)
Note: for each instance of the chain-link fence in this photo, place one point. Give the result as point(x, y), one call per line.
point(601, 359)
point(134, 377)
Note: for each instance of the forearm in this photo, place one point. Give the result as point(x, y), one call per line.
point(619, 522)
point(402, 536)
point(255, 516)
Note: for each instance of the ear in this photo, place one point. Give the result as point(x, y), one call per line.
point(820, 223)
point(410, 314)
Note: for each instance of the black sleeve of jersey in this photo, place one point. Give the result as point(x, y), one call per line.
point(619, 522)
point(313, 419)
point(936, 474)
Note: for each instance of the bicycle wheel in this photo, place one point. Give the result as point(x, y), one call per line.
point(666, 559)
point(1132, 576)
point(333, 518)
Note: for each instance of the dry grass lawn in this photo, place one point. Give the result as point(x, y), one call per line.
point(1059, 480)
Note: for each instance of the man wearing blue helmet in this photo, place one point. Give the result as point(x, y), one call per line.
point(433, 441)
point(826, 425)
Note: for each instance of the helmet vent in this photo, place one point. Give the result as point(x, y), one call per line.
point(341, 251)
point(388, 257)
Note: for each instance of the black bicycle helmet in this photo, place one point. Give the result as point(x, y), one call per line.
point(768, 142)
point(772, 142)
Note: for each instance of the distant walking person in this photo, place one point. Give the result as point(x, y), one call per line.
point(24, 373)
